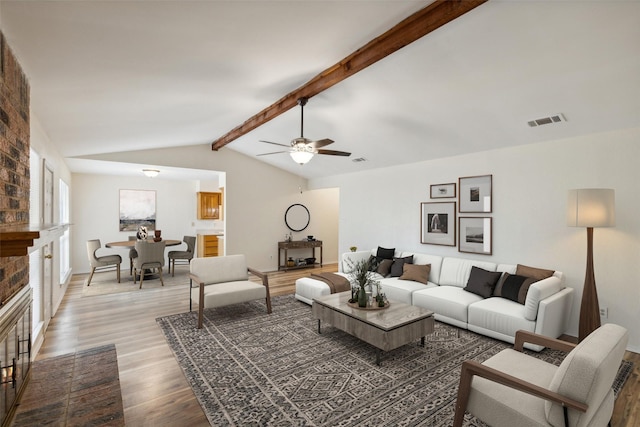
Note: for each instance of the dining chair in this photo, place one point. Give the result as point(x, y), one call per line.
point(132, 255)
point(182, 255)
point(101, 262)
point(150, 257)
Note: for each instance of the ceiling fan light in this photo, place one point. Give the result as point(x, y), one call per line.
point(301, 157)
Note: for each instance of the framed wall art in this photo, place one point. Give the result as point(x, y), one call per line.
point(475, 235)
point(475, 193)
point(137, 207)
point(438, 223)
point(443, 191)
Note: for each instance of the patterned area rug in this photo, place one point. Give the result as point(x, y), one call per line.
point(249, 368)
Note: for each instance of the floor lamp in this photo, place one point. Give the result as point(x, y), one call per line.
point(590, 207)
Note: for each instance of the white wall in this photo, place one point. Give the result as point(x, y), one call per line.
point(95, 210)
point(530, 186)
point(256, 198)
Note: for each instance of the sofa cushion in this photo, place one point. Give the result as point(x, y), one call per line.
point(482, 282)
point(455, 271)
point(402, 290)
point(398, 265)
point(500, 315)
point(513, 287)
point(451, 302)
point(385, 253)
point(417, 273)
point(533, 272)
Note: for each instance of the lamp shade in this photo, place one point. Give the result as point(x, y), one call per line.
point(591, 207)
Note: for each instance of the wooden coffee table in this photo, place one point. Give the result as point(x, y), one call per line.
point(385, 329)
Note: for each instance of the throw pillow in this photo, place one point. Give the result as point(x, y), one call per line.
point(482, 282)
point(373, 263)
point(533, 272)
point(417, 273)
point(398, 265)
point(385, 253)
point(384, 267)
point(513, 287)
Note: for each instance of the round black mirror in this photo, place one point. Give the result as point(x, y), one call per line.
point(297, 217)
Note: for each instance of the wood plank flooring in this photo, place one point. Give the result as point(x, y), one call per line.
point(154, 390)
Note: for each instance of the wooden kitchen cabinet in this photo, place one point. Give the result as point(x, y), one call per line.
point(207, 245)
point(209, 205)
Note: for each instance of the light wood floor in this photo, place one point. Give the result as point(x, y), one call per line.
point(154, 390)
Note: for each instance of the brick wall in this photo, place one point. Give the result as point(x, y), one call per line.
point(14, 164)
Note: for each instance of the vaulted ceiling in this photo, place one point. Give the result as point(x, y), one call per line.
point(118, 76)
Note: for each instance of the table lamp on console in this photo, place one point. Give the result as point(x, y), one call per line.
point(590, 207)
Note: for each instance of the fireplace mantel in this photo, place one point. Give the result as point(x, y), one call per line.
point(19, 240)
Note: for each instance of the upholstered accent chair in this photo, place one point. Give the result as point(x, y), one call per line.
point(184, 256)
point(515, 389)
point(150, 257)
point(224, 280)
point(101, 262)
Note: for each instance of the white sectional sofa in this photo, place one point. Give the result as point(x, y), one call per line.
point(545, 310)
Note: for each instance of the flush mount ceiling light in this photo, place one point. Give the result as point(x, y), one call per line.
point(151, 173)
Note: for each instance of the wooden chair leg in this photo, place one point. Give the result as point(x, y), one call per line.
point(173, 272)
point(464, 389)
point(130, 266)
point(160, 272)
point(135, 272)
point(201, 307)
point(93, 269)
point(118, 267)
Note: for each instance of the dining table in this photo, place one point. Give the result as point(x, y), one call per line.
point(130, 244)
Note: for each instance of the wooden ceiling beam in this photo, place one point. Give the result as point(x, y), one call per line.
point(407, 31)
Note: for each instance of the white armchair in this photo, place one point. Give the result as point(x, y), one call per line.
point(515, 389)
point(224, 281)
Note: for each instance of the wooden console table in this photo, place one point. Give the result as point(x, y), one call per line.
point(297, 244)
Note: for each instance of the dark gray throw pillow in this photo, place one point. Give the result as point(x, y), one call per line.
point(384, 253)
point(482, 282)
point(397, 267)
point(513, 287)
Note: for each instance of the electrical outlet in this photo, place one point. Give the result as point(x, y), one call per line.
point(604, 312)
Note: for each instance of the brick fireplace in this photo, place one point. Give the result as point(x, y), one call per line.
point(15, 293)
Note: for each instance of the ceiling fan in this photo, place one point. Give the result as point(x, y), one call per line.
point(302, 149)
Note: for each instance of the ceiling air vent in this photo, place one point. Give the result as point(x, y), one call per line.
point(359, 159)
point(547, 120)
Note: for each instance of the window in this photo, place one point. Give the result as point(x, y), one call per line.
point(65, 266)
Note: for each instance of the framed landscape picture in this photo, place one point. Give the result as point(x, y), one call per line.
point(438, 223)
point(443, 191)
point(137, 207)
point(475, 193)
point(475, 235)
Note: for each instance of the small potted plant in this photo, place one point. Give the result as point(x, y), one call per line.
point(353, 248)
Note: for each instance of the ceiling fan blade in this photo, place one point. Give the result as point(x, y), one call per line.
point(275, 152)
point(320, 143)
point(276, 143)
point(334, 153)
